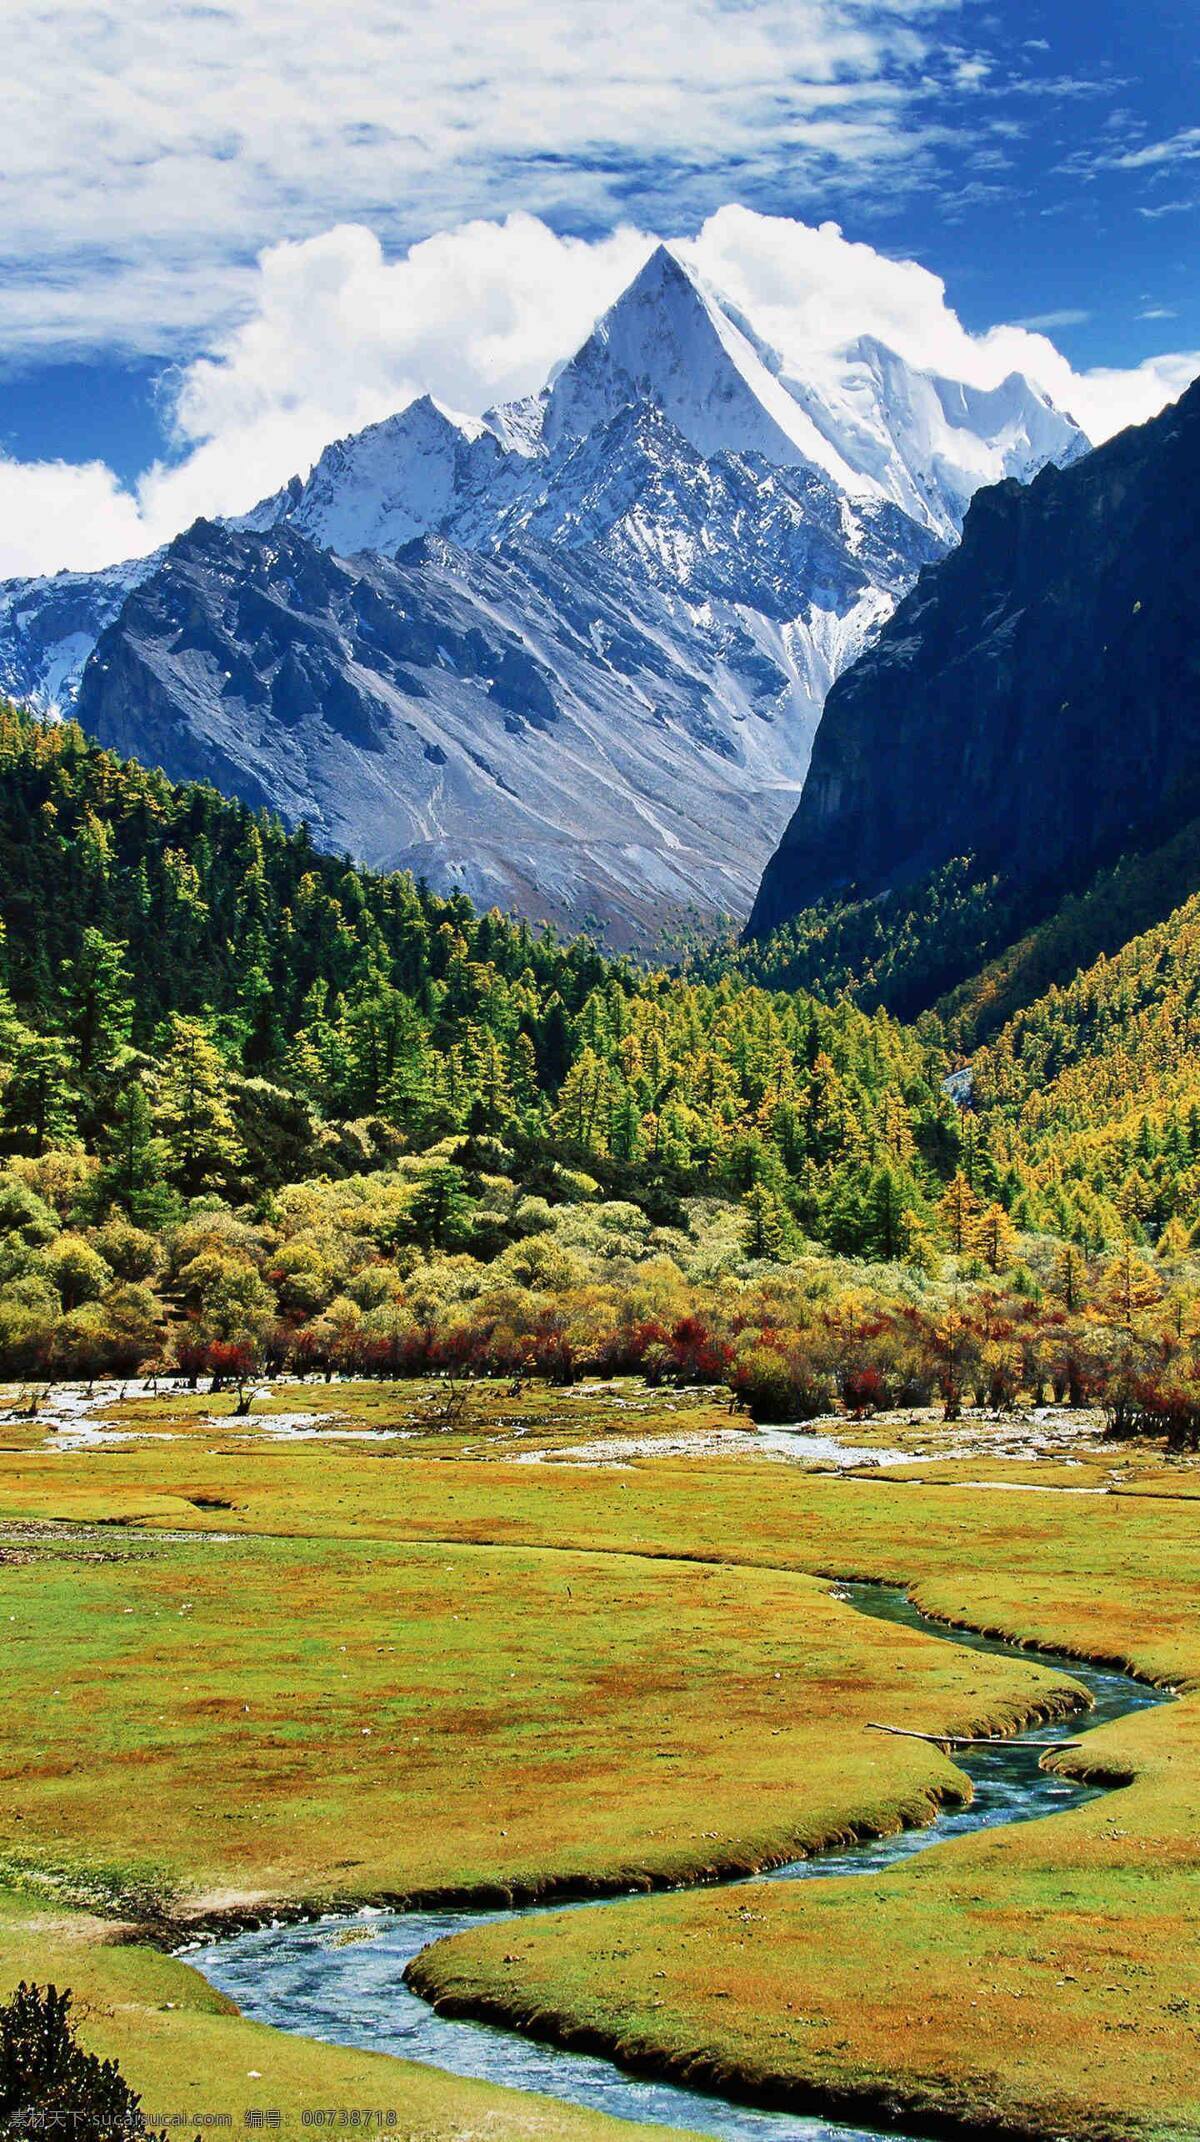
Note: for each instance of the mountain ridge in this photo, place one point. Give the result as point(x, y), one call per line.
point(671, 459)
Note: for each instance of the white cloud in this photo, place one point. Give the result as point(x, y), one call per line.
point(1066, 316)
point(153, 148)
point(970, 73)
point(339, 335)
point(1181, 148)
point(56, 513)
point(807, 289)
point(1106, 399)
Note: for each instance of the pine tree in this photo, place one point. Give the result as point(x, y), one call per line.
point(193, 1116)
point(440, 1212)
point(1068, 1276)
point(97, 1003)
point(994, 1238)
point(1173, 1241)
point(133, 1175)
point(583, 1111)
point(39, 1107)
point(889, 1195)
point(920, 1249)
point(523, 1072)
point(957, 1212)
point(12, 1031)
point(553, 1044)
point(1131, 1285)
point(764, 1229)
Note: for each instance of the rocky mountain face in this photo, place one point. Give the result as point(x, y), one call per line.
point(48, 629)
point(1034, 702)
point(570, 656)
point(530, 725)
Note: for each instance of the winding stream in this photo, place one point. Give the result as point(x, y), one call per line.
point(342, 1979)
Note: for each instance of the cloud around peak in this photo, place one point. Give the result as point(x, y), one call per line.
point(340, 335)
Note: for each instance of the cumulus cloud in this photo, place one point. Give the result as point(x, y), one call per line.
point(340, 335)
point(808, 289)
point(58, 513)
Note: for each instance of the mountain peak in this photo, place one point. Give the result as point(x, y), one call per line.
point(661, 272)
point(669, 341)
point(380, 487)
point(928, 442)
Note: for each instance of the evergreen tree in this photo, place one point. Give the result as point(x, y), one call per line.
point(97, 1003)
point(889, 1196)
point(193, 1116)
point(583, 1110)
point(1069, 1276)
point(439, 1216)
point(39, 1105)
point(133, 1175)
point(764, 1229)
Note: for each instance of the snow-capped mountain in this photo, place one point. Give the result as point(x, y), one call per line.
point(676, 546)
point(929, 442)
point(381, 487)
point(601, 719)
point(876, 429)
point(875, 426)
point(668, 339)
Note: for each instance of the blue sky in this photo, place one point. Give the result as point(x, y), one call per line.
point(203, 202)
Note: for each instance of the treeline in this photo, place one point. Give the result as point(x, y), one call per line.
point(901, 950)
point(969, 947)
point(446, 1266)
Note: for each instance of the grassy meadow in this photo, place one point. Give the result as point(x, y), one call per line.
point(244, 1672)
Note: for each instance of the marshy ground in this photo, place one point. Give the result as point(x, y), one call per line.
point(358, 1647)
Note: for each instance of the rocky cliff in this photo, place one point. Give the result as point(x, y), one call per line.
point(1034, 702)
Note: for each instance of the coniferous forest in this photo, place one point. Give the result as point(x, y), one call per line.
point(264, 1109)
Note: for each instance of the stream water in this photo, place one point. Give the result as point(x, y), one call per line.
point(342, 1979)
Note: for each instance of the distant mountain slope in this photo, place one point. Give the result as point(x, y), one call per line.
point(1035, 702)
point(688, 543)
point(530, 727)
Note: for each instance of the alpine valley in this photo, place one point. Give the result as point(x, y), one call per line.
point(570, 658)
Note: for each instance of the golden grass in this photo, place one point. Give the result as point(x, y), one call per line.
point(1044, 1979)
point(1045, 1976)
point(295, 1712)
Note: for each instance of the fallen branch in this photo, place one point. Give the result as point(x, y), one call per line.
point(946, 1741)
